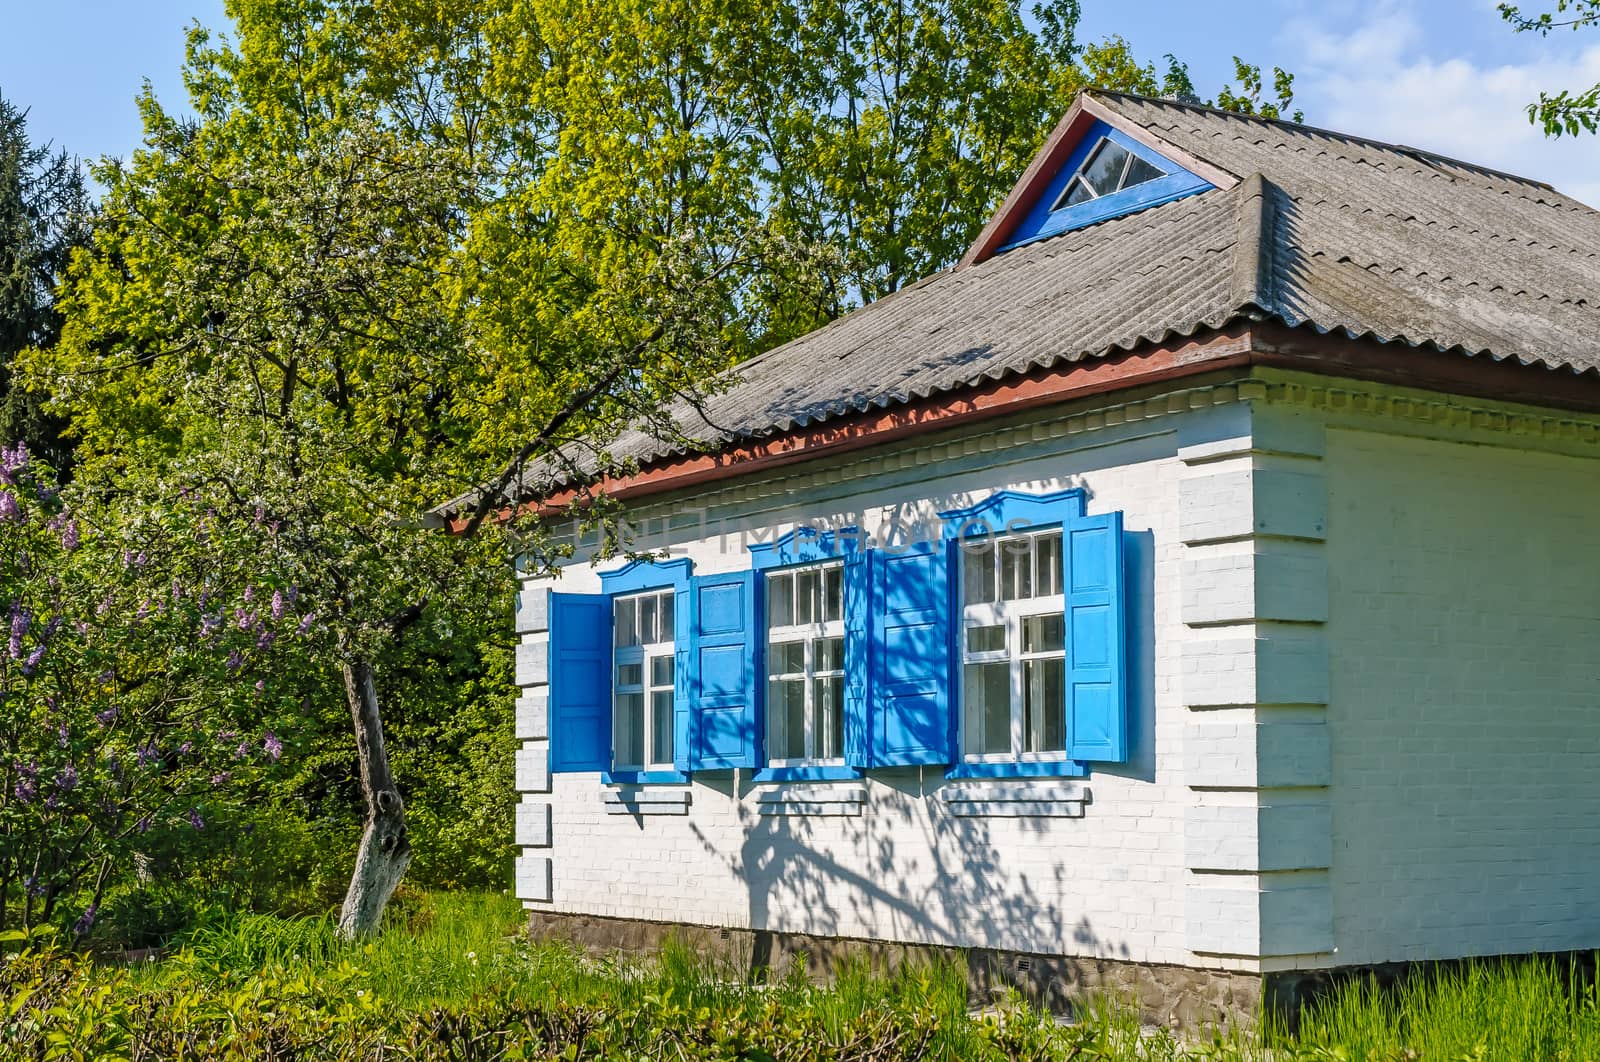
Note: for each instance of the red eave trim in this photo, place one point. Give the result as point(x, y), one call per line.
point(1224, 349)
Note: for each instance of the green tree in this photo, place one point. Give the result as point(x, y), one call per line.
point(44, 209)
point(1567, 111)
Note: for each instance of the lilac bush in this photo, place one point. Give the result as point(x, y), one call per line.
point(139, 684)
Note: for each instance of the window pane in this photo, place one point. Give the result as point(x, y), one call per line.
point(630, 730)
point(786, 658)
point(626, 622)
point(647, 620)
point(827, 654)
point(1044, 705)
point(1044, 634)
point(1140, 171)
point(668, 617)
point(977, 573)
point(661, 726)
point(807, 586)
point(987, 708)
point(1016, 569)
point(1104, 171)
point(1047, 563)
point(630, 674)
point(780, 600)
point(833, 593)
point(1077, 192)
point(661, 671)
point(986, 639)
point(786, 699)
point(828, 702)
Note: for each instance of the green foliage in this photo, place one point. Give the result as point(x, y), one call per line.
point(44, 215)
point(1567, 111)
point(456, 978)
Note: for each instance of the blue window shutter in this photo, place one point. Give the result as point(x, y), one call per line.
point(722, 650)
point(857, 655)
point(909, 691)
point(580, 682)
point(1097, 672)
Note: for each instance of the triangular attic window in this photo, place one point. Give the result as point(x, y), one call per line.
point(1111, 168)
point(1106, 174)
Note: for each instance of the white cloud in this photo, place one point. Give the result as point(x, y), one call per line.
point(1378, 78)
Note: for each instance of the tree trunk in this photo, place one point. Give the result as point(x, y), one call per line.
point(385, 849)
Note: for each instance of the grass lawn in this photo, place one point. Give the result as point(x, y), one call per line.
point(453, 977)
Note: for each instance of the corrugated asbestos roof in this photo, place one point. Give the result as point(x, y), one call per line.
point(1335, 232)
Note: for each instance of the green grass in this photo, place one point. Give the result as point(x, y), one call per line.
point(467, 954)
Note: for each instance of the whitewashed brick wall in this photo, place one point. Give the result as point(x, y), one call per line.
point(1102, 873)
point(1465, 630)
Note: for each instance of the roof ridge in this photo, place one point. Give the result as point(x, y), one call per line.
point(1422, 154)
point(1253, 253)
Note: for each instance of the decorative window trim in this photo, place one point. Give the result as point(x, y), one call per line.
point(1014, 511)
point(806, 545)
point(1005, 512)
point(628, 800)
point(812, 800)
point(1044, 219)
point(1015, 800)
point(643, 574)
point(808, 773)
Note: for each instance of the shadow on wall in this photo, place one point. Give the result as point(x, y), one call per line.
point(909, 869)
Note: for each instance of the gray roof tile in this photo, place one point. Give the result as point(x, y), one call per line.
point(1334, 232)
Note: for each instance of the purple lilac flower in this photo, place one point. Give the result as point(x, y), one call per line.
point(30, 665)
point(107, 717)
point(69, 536)
point(243, 619)
point(235, 661)
point(221, 777)
point(144, 824)
point(261, 686)
point(195, 820)
point(63, 735)
point(185, 748)
point(277, 605)
point(305, 622)
point(210, 623)
point(10, 511)
point(249, 594)
point(19, 628)
point(67, 780)
point(25, 791)
point(265, 639)
point(148, 753)
point(242, 751)
point(294, 593)
point(272, 746)
point(85, 921)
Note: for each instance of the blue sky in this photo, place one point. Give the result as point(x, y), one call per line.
point(1447, 75)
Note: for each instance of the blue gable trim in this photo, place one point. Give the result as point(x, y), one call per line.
point(1042, 222)
point(648, 575)
point(1010, 510)
point(806, 545)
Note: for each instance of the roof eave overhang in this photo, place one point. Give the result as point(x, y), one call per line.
point(1241, 346)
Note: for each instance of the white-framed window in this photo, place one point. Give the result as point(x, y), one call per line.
point(1109, 168)
point(805, 666)
point(1013, 647)
point(642, 681)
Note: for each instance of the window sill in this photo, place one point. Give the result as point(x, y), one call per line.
point(644, 778)
point(1016, 799)
point(636, 801)
point(818, 773)
point(809, 800)
point(1019, 769)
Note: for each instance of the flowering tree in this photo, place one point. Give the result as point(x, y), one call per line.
point(142, 682)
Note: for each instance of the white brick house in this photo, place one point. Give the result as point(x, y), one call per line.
point(1190, 592)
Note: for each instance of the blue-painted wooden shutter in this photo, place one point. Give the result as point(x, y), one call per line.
point(722, 650)
point(580, 682)
point(909, 666)
point(857, 654)
point(682, 682)
point(1097, 672)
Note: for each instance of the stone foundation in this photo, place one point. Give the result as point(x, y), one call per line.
point(1179, 997)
